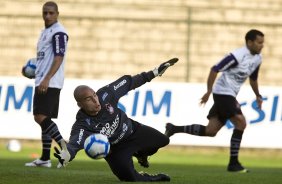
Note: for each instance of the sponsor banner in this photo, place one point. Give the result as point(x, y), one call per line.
point(153, 104)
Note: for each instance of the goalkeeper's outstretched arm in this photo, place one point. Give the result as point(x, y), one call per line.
point(144, 77)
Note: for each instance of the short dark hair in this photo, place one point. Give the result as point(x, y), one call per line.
point(53, 4)
point(252, 35)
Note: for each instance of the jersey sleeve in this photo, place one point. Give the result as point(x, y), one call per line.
point(76, 141)
point(140, 79)
point(126, 83)
point(59, 42)
point(226, 63)
point(254, 75)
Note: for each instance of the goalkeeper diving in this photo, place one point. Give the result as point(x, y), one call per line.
point(99, 113)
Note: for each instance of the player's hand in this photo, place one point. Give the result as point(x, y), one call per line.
point(162, 68)
point(63, 156)
point(43, 86)
point(205, 98)
point(259, 101)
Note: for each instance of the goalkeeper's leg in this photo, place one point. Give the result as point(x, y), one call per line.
point(121, 164)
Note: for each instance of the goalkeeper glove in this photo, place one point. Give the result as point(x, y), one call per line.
point(162, 68)
point(62, 155)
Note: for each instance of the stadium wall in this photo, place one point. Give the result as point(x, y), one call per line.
point(132, 36)
point(153, 104)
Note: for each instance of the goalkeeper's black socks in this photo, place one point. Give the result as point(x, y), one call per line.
point(235, 145)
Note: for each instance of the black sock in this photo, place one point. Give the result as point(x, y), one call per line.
point(195, 129)
point(50, 128)
point(235, 145)
point(46, 146)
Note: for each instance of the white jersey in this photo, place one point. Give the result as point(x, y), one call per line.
point(236, 68)
point(52, 42)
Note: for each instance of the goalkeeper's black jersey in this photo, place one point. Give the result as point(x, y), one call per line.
point(110, 121)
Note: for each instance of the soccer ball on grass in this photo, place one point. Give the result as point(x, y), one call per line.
point(97, 146)
point(14, 145)
point(29, 68)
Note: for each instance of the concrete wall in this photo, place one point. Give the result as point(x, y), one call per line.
point(110, 38)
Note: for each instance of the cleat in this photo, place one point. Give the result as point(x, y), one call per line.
point(156, 177)
point(168, 129)
point(143, 161)
point(160, 177)
point(237, 167)
point(39, 163)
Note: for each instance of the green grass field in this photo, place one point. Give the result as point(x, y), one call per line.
point(187, 165)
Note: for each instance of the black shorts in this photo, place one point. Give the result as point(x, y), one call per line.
point(224, 107)
point(48, 103)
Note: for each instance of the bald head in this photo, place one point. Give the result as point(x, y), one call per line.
point(87, 100)
point(80, 91)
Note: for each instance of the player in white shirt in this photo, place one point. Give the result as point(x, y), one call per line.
point(49, 80)
point(236, 67)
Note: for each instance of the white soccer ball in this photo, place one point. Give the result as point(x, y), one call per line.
point(29, 68)
point(97, 146)
point(14, 145)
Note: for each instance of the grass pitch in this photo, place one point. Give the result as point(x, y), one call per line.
point(187, 165)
